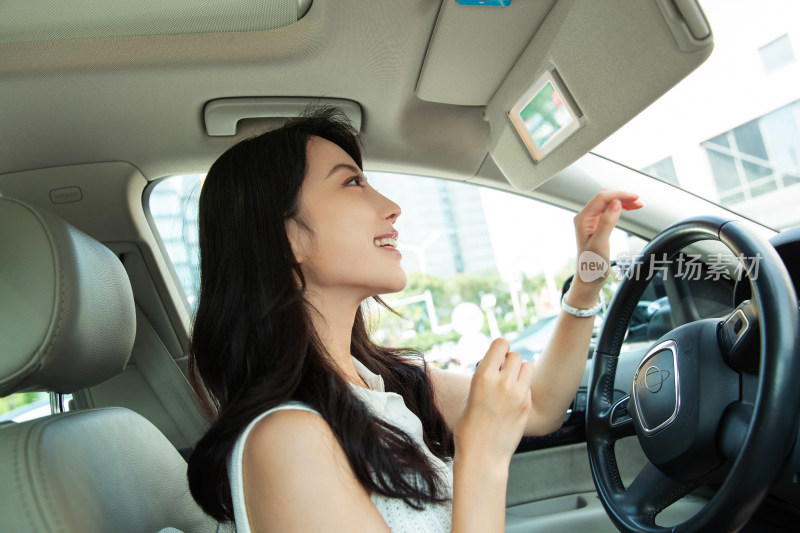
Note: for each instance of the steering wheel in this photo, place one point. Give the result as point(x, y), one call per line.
point(696, 417)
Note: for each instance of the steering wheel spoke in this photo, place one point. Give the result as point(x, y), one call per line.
point(651, 492)
point(733, 429)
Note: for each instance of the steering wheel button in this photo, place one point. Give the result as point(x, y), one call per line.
point(655, 388)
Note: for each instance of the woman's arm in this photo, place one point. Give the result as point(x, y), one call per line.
point(486, 435)
point(558, 371)
point(560, 367)
point(297, 478)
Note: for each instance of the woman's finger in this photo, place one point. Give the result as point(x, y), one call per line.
point(589, 220)
point(600, 201)
point(607, 221)
point(605, 196)
point(526, 372)
point(511, 365)
point(629, 206)
point(495, 356)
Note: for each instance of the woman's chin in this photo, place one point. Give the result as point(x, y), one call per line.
point(396, 285)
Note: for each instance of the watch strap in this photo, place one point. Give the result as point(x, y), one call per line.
point(580, 313)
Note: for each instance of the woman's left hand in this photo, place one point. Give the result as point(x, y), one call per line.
point(593, 225)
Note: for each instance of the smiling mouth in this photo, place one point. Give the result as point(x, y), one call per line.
point(386, 242)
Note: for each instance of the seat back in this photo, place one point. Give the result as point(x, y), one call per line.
point(154, 386)
point(100, 470)
point(67, 322)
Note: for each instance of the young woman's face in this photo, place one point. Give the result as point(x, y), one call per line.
point(353, 248)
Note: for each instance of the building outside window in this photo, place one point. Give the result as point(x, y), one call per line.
point(663, 170)
point(776, 54)
point(757, 157)
point(729, 132)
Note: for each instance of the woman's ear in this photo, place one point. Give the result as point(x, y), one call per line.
point(297, 239)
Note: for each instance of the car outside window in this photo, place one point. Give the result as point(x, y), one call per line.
point(24, 406)
point(481, 263)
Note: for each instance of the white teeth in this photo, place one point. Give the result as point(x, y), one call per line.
point(386, 241)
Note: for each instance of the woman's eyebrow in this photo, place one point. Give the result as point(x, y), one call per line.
point(348, 166)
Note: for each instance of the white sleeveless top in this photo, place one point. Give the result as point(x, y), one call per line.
point(399, 516)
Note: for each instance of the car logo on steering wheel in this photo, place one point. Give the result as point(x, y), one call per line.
point(654, 378)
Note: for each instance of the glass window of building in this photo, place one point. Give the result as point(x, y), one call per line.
point(663, 170)
point(777, 53)
point(758, 157)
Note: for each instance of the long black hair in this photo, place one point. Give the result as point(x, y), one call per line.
point(253, 345)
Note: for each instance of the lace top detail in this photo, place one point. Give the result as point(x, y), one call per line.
point(398, 515)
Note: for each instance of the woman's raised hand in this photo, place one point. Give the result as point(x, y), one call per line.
point(498, 406)
point(594, 223)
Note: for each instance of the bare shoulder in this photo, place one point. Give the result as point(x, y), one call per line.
point(290, 445)
point(286, 425)
point(292, 458)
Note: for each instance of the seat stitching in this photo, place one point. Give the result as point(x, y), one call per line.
point(45, 487)
point(18, 464)
point(61, 304)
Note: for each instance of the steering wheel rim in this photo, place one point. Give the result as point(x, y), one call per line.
point(769, 434)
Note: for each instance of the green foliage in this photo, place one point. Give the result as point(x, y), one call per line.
point(472, 287)
point(534, 285)
point(414, 327)
point(568, 270)
point(14, 401)
point(427, 339)
point(419, 283)
point(446, 295)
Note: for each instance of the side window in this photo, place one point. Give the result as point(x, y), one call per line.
point(481, 263)
point(24, 406)
point(172, 208)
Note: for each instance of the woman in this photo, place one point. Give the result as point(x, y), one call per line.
point(316, 428)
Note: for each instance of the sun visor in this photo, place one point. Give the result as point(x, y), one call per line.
point(473, 47)
point(589, 69)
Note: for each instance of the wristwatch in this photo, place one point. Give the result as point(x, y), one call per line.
point(580, 313)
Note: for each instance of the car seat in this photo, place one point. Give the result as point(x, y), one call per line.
point(68, 321)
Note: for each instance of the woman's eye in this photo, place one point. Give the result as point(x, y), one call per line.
point(355, 180)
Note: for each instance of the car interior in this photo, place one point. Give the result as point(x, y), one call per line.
point(104, 101)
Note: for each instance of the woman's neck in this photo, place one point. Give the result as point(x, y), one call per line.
point(333, 322)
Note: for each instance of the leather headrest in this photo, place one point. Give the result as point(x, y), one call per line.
point(67, 317)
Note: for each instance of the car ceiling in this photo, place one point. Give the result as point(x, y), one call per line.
point(432, 79)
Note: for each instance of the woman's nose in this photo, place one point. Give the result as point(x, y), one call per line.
point(392, 210)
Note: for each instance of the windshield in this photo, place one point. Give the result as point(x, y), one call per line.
point(730, 131)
